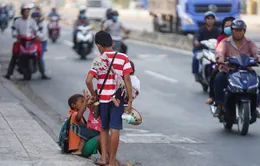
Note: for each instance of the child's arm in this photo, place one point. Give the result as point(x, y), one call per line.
point(84, 106)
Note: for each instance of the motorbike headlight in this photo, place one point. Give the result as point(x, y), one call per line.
point(253, 89)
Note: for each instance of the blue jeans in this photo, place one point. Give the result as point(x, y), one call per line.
point(44, 46)
point(195, 63)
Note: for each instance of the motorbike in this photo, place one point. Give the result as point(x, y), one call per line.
point(3, 21)
point(207, 62)
point(240, 94)
point(54, 29)
point(27, 61)
point(84, 40)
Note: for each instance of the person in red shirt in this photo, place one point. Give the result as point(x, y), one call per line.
point(226, 32)
point(110, 115)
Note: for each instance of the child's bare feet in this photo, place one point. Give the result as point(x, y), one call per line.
point(76, 153)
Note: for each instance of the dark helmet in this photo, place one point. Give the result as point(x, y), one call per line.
point(209, 13)
point(109, 13)
point(36, 14)
point(115, 13)
point(238, 24)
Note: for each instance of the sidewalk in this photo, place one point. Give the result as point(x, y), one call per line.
point(23, 142)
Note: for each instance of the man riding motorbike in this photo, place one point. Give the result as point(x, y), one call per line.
point(24, 26)
point(234, 45)
point(226, 32)
point(81, 20)
point(53, 13)
point(209, 31)
point(114, 27)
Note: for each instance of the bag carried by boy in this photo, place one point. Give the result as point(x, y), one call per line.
point(96, 104)
point(64, 136)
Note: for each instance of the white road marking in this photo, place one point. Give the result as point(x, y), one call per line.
point(68, 43)
point(190, 151)
point(152, 57)
point(56, 58)
point(146, 137)
point(160, 76)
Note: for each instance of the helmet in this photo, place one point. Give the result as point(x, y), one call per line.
point(82, 9)
point(238, 24)
point(109, 13)
point(209, 13)
point(115, 13)
point(25, 7)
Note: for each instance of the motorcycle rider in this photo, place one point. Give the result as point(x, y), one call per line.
point(209, 31)
point(226, 32)
point(114, 27)
point(81, 20)
point(53, 13)
point(4, 10)
point(234, 45)
point(24, 26)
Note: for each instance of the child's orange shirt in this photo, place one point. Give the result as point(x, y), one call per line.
point(74, 139)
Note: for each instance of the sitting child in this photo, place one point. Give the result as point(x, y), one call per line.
point(79, 133)
point(136, 88)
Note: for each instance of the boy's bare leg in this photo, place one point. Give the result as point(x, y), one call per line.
point(108, 152)
point(113, 146)
point(103, 143)
point(81, 146)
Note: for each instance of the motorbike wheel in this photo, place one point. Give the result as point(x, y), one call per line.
point(54, 40)
point(27, 76)
point(244, 118)
point(228, 124)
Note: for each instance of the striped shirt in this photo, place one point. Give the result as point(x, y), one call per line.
point(121, 66)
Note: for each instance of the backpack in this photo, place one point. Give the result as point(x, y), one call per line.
point(64, 136)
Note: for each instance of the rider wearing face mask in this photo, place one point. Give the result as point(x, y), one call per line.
point(226, 32)
point(114, 28)
point(228, 47)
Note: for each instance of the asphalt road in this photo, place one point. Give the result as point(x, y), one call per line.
point(177, 128)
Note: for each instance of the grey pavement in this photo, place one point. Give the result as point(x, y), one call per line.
point(23, 142)
point(177, 128)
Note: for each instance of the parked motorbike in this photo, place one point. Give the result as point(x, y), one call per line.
point(3, 21)
point(207, 62)
point(240, 94)
point(27, 61)
point(85, 40)
point(54, 29)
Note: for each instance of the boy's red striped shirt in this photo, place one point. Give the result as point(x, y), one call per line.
point(121, 66)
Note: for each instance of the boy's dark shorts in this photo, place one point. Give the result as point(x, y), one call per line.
point(111, 115)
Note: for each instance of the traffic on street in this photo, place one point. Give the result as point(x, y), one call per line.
point(179, 107)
